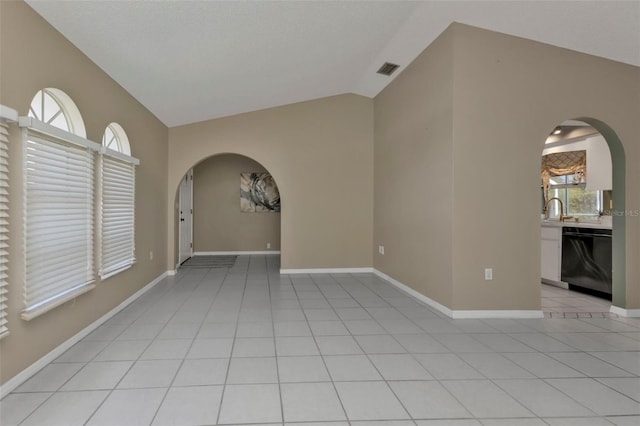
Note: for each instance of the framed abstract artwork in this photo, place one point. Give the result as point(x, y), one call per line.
point(258, 193)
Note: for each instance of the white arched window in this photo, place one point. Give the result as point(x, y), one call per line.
point(55, 108)
point(59, 204)
point(117, 213)
point(116, 139)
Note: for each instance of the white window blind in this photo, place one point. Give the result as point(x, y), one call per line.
point(117, 213)
point(4, 225)
point(59, 209)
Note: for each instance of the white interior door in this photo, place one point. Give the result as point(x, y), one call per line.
point(185, 217)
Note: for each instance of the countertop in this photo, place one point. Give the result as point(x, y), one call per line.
point(605, 223)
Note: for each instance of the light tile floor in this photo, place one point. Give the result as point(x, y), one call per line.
point(561, 303)
point(248, 346)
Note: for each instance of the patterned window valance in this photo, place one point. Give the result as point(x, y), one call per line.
point(564, 163)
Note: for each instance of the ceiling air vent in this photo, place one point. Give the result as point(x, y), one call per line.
point(388, 68)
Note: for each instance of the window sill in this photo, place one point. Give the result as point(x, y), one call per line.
point(116, 271)
point(29, 315)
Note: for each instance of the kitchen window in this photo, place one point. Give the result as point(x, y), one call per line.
point(578, 201)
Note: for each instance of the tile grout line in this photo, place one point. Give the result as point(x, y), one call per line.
point(369, 359)
point(324, 363)
point(60, 387)
point(110, 391)
point(275, 347)
point(233, 342)
point(428, 372)
point(184, 358)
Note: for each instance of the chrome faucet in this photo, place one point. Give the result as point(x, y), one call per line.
point(546, 208)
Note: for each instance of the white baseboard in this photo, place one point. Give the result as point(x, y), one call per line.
point(471, 314)
point(415, 294)
point(630, 313)
point(238, 253)
point(327, 271)
point(26, 374)
point(499, 314)
point(559, 284)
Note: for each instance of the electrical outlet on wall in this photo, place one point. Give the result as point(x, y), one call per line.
point(381, 250)
point(151, 255)
point(488, 274)
point(268, 245)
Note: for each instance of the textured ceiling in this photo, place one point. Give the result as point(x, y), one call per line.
point(189, 61)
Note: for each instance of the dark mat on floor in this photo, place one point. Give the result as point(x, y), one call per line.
point(225, 261)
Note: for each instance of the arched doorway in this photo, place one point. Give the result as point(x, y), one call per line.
point(236, 207)
point(612, 205)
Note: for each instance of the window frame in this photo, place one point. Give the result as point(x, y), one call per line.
point(119, 136)
point(7, 116)
point(566, 186)
point(117, 203)
point(59, 189)
point(69, 156)
point(66, 107)
point(37, 132)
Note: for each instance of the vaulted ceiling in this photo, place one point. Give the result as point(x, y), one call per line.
point(189, 61)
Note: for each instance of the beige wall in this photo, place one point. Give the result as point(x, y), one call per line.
point(508, 94)
point(413, 174)
point(218, 223)
point(35, 56)
point(320, 153)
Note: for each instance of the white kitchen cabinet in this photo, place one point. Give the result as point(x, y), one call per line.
point(551, 253)
point(599, 172)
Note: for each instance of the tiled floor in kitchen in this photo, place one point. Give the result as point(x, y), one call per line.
point(562, 303)
point(247, 345)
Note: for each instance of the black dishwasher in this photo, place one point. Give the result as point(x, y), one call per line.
point(586, 260)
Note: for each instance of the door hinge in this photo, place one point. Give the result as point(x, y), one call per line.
point(191, 245)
